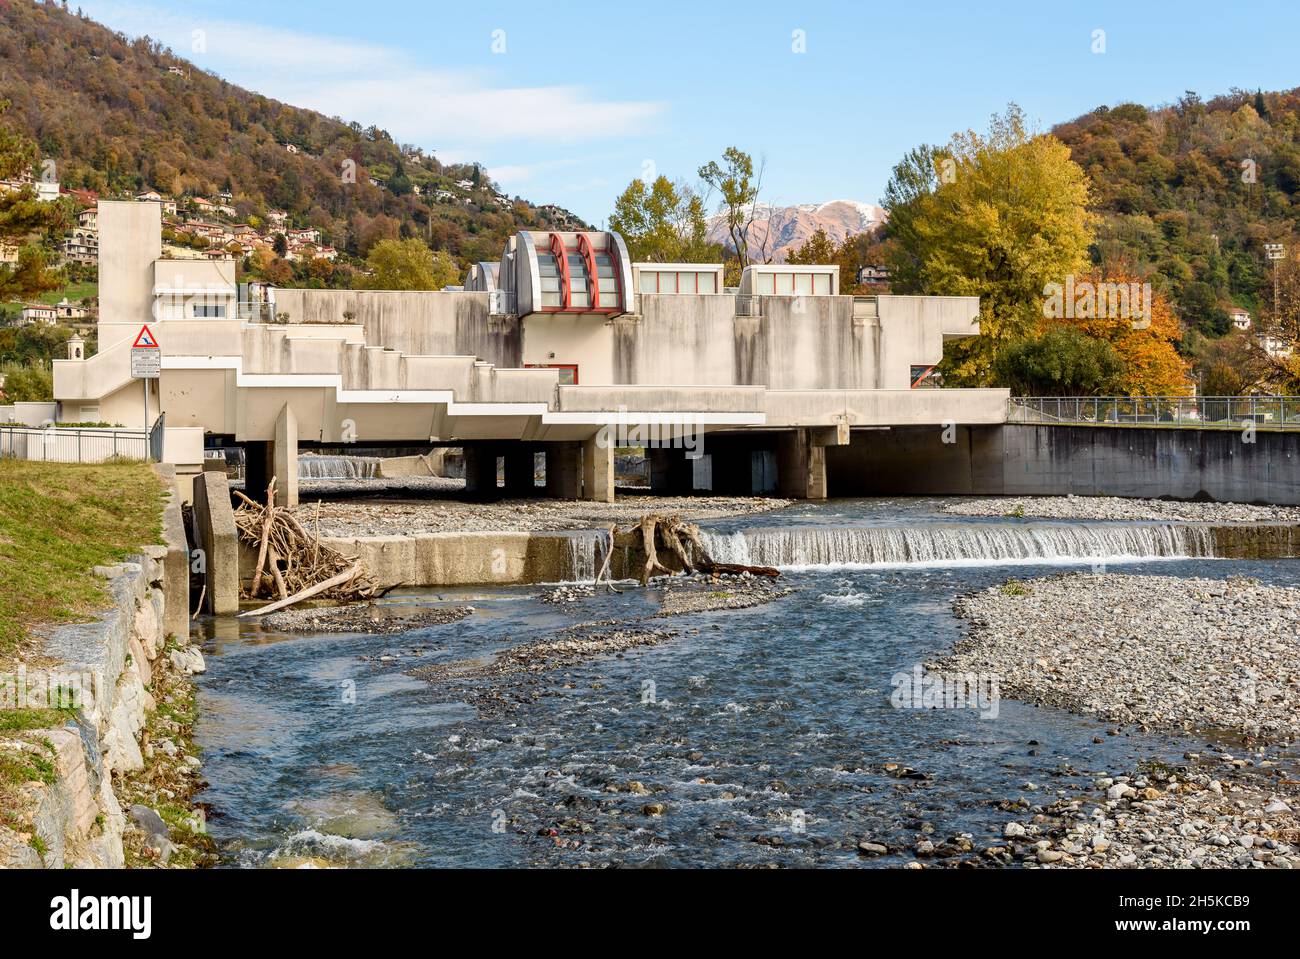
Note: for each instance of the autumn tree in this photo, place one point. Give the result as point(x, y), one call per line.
point(998, 216)
point(663, 222)
point(409, 265)
point(737, 185)
point(1064, 361)
point(1136, 319)
point(24, 220)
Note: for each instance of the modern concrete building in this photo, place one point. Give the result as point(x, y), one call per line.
point(565, 347)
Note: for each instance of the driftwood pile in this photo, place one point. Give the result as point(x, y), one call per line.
point(670, 535)
point(293, 564)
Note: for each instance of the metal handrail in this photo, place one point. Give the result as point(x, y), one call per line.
point(1193, 412)
point(77, 444)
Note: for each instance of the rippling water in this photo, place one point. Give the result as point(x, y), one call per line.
point(744, 725)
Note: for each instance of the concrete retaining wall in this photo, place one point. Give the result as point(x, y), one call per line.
point(76, 817)
point(1029, 460)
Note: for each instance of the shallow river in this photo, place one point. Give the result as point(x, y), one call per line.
point(772, 724)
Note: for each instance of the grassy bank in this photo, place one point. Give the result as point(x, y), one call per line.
point(56, 522)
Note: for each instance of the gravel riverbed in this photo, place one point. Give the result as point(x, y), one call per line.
point(1221, 812)
point(1113, 507)
point(1155, 651)
point(390, 517)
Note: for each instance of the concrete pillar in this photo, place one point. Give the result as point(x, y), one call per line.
point(671, 472)
point(598, 470)
point(816, 488)
point(176, 564)
point(215, 534)
point(258, 469)
point(520, 470)
point(481, 471)
point(563, 470)
point(801, 465)
point(285, 454)
point(792, 464)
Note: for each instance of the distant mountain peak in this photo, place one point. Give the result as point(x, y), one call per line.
point(788, 227)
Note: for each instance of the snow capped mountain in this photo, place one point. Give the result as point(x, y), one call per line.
point(788, 227)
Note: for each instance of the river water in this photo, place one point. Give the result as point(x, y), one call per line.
point(753, 727)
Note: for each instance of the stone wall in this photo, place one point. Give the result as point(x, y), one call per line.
point(75, 819)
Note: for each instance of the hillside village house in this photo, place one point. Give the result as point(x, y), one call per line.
point(1240, 318)
point(67, 312)
point(38, 315)
point(565, 347)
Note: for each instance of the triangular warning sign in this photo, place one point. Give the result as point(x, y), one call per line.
point(145, 340)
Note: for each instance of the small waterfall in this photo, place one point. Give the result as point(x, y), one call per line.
point(586, 554)
point(337, 467)
point(946, 545)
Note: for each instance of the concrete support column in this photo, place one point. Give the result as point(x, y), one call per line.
point(520, 469)
point(481, 471)
point(285, 454)
point(563, 470)
point(670, 471)
point(816, 488)
point(216, 536)
point(801, 465)
point(598, 470)
point(792, 464)
point(258, 469)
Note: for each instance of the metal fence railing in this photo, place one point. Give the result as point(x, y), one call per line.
point(749, 304)
point(54, 444)
point(1204, 412)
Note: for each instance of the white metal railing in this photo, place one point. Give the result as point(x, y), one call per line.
point(749, 304)
point(57, 444)
point(255, 312)
point(1203, 412)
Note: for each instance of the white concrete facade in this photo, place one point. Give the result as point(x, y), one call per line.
point(553, 344)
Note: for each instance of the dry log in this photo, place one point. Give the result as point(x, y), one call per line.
point(683, 541)
point(307, 593)
point(290, 559)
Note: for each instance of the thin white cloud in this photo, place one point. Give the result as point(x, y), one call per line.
point(451, 110)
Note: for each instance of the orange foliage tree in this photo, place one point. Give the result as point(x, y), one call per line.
point(1144, 335)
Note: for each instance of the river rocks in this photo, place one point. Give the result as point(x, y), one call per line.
point(698, 594)
point(1115, 508)
point(1153, 650)
point(1188, 826)
point(872, 849)
point(188, 661)
point(653, 809)
point(155, 831)
point(358, 517)
point(379, 619)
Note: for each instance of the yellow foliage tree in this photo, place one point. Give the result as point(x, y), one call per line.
point(998, 216)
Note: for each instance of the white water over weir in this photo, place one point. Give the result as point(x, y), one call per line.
point(337, 467)
point(934, 544)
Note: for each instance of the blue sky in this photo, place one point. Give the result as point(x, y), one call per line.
point(569, 102)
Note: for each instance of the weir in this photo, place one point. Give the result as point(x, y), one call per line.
point(939, 544)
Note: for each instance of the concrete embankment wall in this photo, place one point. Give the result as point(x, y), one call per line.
point(76, 817)
point(469, 559)
point(1029, 460)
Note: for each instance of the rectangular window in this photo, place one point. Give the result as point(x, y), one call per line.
point(208, 309)
point(766, 284)
point(649, 281)
point(708, 283)
point(822, 284)
point(686, 282)
point(803, 283)
point(667, 282)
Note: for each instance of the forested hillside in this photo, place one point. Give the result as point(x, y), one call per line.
point(1192, 192)
point(120, 116)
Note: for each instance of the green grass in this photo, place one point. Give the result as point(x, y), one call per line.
point(74, 292)
point(56, 522)
point(1013, 587)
